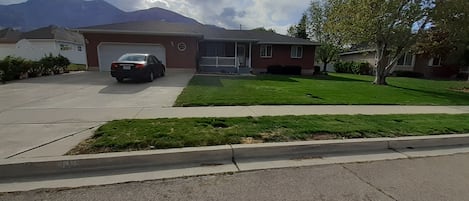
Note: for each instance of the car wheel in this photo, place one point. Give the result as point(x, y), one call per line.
point(119, 79)
point(151, 76)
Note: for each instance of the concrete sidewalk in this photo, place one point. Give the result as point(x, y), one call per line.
point(242, 111)
point(60, 129)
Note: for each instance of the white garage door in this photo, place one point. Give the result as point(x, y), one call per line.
point(109, 52)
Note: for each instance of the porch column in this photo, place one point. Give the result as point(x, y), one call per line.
point(250, 55)
point(236, 54)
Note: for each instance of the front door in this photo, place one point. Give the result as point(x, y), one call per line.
point(242, 55)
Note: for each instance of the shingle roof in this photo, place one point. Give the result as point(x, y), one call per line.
point(207, 32)
point(54, 32)
point(9, 35)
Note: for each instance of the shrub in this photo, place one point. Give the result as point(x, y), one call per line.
point(274, 69)
point(284, 70)
point(11, 68)
point(48, 64)
point(362, 68)
point(317, 70)
point(60, 64)
point(407, 74)
point(291, 70)
point(35, 69)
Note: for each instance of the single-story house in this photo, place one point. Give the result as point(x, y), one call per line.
point(420, 63)
point(37, 43)
point(202, 47)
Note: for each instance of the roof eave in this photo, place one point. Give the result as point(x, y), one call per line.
point(288, 43)
point(138, 32)
point(231, 39)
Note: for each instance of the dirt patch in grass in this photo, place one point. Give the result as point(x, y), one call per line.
point(464, 90)
point(323, 136)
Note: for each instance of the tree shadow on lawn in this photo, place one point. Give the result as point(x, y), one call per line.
point(458, 98)
point(216, 81)
point(336, 78)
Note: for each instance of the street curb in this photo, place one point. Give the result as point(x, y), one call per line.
point(163, 159)
point(212, 155)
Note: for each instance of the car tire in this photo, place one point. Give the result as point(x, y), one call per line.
point(151, 76)
point(119, 79)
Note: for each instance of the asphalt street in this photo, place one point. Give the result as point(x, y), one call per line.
point(426, 179)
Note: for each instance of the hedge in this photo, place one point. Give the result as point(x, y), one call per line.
point(12, 68)
point(284, 70)
point(407, 74)
point(361, 68)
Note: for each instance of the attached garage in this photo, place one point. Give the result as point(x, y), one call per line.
point(109, 52)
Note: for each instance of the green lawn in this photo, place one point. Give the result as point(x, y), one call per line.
point(344, 89)
point(126, 135)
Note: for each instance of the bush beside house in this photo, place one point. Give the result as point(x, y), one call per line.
point(284, 70)
point(359, 68)
point(12, 68)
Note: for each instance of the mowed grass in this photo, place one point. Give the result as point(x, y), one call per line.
point(128, 135)
point(342, 89)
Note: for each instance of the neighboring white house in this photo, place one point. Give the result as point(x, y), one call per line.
point(36, 44)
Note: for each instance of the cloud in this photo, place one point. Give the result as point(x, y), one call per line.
point(8, 2)
point(278, 15)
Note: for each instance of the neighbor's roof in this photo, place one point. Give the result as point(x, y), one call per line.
point(54, 32)
point(207, 32)
point(9, 35)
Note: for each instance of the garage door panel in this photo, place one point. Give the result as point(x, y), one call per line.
point(109, 52)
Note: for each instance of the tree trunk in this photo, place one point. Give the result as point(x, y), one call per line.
point(324, 68)
point(381, 73)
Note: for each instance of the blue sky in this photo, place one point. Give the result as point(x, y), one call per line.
point(279, 14)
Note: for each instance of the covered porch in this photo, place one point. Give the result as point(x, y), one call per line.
point(225, 57)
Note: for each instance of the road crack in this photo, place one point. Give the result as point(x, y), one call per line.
point(369, 183)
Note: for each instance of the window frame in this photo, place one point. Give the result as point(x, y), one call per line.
point(404, 62)
point(431, 62)
point(294, 52)
point(265, 49)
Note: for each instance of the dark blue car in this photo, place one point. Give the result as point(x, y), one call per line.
point(137, 67)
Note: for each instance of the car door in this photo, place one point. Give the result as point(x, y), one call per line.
point(159, 64)
point(151, 63)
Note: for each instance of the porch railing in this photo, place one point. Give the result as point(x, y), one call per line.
point(219, 62)
point(464, 69)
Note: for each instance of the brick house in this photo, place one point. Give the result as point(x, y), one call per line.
point(202, 47)
point(420, 63)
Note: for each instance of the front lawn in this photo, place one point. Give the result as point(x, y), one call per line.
point(128, 135)
point(343, 89)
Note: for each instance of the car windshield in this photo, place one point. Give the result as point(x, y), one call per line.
point(133, 58)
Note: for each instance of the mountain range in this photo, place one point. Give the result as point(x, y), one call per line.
point(33, 14)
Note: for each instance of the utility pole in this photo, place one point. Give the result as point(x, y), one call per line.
point(240, 27)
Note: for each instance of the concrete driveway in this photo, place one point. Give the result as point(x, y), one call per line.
point(47, 116)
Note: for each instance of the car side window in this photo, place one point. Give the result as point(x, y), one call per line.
point(157, 60)
point(151, 60)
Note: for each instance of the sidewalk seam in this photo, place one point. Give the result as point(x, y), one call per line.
point(233, 159)
point(368, 183)
point(50, 142)
point(139, 111)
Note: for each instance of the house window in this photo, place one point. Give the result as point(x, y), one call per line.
point(65, 47)
point(215, 50)
point(296, 52)
point(406, 60)
point(266, 51)
point(435, 61)
point(79, 48)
